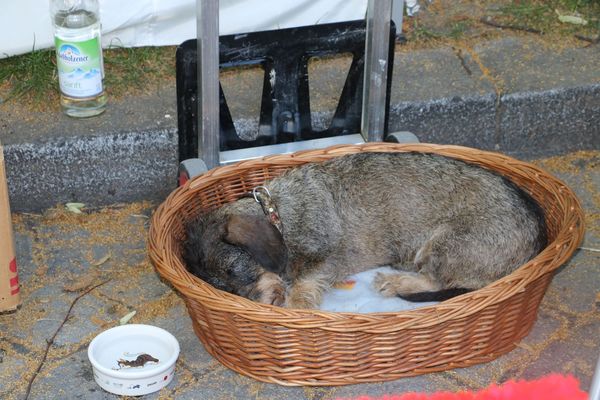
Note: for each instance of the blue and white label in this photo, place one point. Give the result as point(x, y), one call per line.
point(79, 67)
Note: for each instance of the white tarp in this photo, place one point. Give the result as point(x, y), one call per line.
point(25, 24)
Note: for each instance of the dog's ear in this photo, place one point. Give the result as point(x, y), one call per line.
point(260, 239)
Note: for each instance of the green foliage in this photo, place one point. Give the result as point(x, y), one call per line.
point(34, 76)
point(139, 67)
point(544, 15)
point(459, 29)
point(420, 32)
point(33, 73)
point(574, 5)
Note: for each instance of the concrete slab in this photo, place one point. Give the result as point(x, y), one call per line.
point(531, 64)
point(564, 338)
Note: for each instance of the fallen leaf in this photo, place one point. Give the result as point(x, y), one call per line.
point(98, 321)
point(571, 19)
point(101, 261)
point(81, 283)
point(127, 317)
point(525, 346)
point(74, 207)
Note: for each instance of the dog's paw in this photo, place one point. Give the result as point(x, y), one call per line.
point(274, 296)
point(271, 289)
point(305, 294)
point(386, 284)
point(403, 283)
point(303, 300)
point(300, 303)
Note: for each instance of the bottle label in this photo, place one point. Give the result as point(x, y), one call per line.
point(79, 65)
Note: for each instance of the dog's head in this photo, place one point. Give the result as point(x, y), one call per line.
point(238, 253)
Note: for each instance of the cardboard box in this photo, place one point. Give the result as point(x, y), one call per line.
point(10, 297)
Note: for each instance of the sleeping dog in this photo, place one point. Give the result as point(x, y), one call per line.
point(448, 227)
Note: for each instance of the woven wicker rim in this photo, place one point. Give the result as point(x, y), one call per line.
point(555, 254)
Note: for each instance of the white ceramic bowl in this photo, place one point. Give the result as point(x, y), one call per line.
point(127, 342)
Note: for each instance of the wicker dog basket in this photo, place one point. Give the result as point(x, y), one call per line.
point(309, 347)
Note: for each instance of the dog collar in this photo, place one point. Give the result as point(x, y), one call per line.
point(263, 197)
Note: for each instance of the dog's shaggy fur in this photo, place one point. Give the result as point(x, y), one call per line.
point(458, 226)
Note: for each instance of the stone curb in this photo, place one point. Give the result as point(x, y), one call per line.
point(142, 165)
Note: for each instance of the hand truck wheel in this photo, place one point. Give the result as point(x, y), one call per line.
point(189, 169)
point(402, 137)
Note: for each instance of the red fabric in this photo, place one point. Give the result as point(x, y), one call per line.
point(551, 387)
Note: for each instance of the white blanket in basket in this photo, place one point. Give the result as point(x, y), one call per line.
point(357, 295)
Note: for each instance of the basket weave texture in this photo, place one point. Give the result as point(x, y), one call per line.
point(311, 347)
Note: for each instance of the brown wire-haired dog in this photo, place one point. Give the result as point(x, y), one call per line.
point(447, 226)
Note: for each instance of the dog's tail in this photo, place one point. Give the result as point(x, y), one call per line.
point(440, 295)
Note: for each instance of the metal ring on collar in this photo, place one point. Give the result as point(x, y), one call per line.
point(256, 190)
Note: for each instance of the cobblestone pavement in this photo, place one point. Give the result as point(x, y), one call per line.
point(61, 255)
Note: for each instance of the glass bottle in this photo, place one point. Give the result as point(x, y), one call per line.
point(79, 56)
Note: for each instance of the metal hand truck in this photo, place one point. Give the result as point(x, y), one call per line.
point(207, 136)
